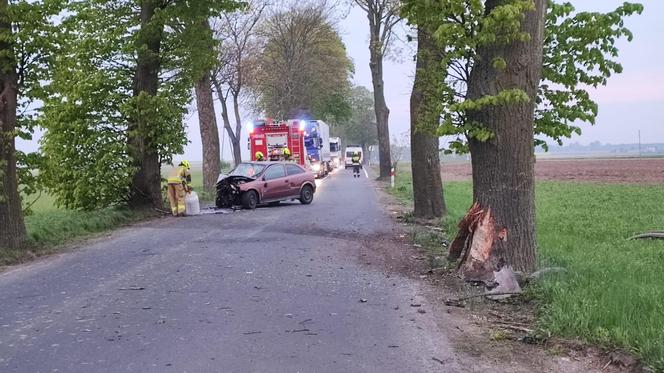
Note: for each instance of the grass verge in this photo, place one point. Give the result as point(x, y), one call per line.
point(613, 294)
point(50, 226)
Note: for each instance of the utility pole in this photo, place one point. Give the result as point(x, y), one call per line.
point(639, 143)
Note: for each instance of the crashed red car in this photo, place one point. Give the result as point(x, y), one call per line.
point(254, 183)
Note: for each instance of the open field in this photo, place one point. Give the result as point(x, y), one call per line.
point(613, 294)
point(647, 171)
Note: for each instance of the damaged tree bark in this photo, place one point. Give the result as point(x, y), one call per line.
point(475, 243)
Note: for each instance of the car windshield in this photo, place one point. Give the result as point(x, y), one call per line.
point(247, 169)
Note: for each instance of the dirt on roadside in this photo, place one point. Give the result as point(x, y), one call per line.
point(488, 336)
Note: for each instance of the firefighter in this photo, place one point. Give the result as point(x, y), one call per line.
point(356, 164)
point(287, 154)
point(178, 184)
point(259, 156)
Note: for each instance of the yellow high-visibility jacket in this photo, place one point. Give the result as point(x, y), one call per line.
point(180, 175)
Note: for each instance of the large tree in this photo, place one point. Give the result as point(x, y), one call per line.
point(383, 16)
point(304, 68)
point(146, 181)
point(12, 228)
point(425, 110)
point(207, 120)
point(121, 87)
point(239, 49)
point(509, 71)
point(482, 42)
point(28, 39)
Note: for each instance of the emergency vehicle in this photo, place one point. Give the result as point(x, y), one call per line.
point(271, 138)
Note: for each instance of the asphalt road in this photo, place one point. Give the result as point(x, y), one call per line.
point(272, 290)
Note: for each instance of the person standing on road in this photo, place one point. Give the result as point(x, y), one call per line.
point(179, 183)
point(287, 154)
point(356, 164)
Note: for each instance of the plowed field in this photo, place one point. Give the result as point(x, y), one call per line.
point(612, 171)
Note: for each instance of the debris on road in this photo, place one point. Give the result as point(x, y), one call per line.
point(297, 330)
point(438, 360)
point(133, 288)
point(421, 310)
point(508, 284)
point(459, 302)
point(255, 332)
point(517, 328)
point(363, 300)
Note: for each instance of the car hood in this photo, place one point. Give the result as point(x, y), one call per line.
point(234, 178)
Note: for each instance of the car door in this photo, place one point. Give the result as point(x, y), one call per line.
point(275, 183)
point(296, 177)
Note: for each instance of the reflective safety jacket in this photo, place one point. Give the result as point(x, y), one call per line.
point(356, 159)
point(179, 175)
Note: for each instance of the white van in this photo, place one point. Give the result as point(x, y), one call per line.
point(350, 150)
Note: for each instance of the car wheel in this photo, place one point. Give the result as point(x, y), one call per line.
point(306, 195)
point(249, 200)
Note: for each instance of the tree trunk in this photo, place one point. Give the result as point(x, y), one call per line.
point(382, 111)
point(503, 177)
point(209, 133)
point(12, 226)
point(237, 154)
point(234, 140)
point(424, 142)
point(146, 183)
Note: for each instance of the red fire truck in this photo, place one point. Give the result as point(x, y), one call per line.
point(271, 138)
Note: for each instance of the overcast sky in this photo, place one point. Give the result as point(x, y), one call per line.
point(632, 101)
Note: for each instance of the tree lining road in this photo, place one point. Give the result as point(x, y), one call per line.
point(271, 290)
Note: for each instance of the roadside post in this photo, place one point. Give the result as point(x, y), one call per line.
point(392, 177)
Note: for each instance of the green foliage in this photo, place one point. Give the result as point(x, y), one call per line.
point(30, 47)
point(614, 292)
point(579, 52)
point(92, 96)
point(360, 128)
point(304, 69)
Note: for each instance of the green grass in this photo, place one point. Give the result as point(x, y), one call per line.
point(613, 294)
point(49, 225)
